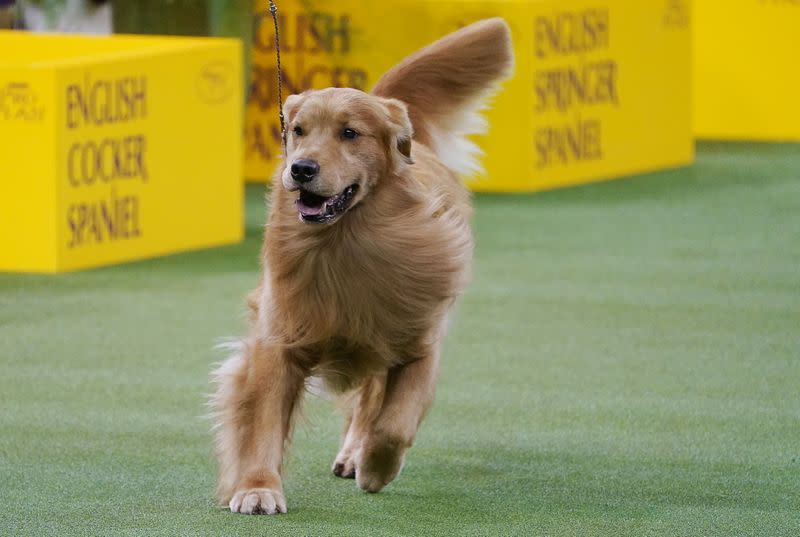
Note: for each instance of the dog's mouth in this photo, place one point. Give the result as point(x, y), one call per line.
point(320, 209)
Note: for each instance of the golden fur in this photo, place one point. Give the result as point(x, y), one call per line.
point(359, 299)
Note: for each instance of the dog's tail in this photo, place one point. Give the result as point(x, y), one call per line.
point(446, 84)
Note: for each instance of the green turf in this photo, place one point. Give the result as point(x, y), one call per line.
point(626, 362)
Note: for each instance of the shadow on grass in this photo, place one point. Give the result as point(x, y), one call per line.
point(517, 488)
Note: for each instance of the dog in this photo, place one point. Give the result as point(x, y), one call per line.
point(366, 248)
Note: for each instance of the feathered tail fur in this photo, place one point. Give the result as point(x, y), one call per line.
point(446, 84)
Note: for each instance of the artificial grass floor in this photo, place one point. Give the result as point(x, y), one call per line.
point(626, 362)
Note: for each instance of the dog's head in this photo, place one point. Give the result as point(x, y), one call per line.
point(340, 143)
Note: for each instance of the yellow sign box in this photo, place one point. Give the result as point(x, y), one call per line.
point(117, 148)
point(601, 87)
point(745, 69)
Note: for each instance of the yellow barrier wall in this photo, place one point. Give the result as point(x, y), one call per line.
point(601, 88)
point(114, 149)
point(746, 69)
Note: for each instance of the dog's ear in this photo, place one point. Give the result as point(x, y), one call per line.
point(292, 105)
point(400, 125)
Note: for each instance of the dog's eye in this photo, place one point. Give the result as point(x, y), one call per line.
point(298, 130)
point(349, 134)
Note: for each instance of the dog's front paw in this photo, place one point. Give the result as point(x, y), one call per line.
point(344, 467)
point(258, 502)
point(345, 464)
point(379, 462)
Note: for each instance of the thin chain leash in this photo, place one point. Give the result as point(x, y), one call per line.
point(273, 9)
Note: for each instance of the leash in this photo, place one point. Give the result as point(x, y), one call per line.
point(273, 9)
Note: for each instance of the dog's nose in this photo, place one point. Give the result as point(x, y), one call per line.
point(304, 170)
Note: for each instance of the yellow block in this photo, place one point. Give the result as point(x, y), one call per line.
point(746, 69)
point(601, 86)
point(117, 148)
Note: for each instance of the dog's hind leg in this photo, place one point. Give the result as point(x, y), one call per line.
point(364, 408)
point(257, 392)
point(408, 395)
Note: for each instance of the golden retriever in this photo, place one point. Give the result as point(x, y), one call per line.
point(367, 246)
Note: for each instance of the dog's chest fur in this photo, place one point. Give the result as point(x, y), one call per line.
point(364, 295)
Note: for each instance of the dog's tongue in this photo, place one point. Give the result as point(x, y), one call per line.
point(309, 210)
point(310, 204)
